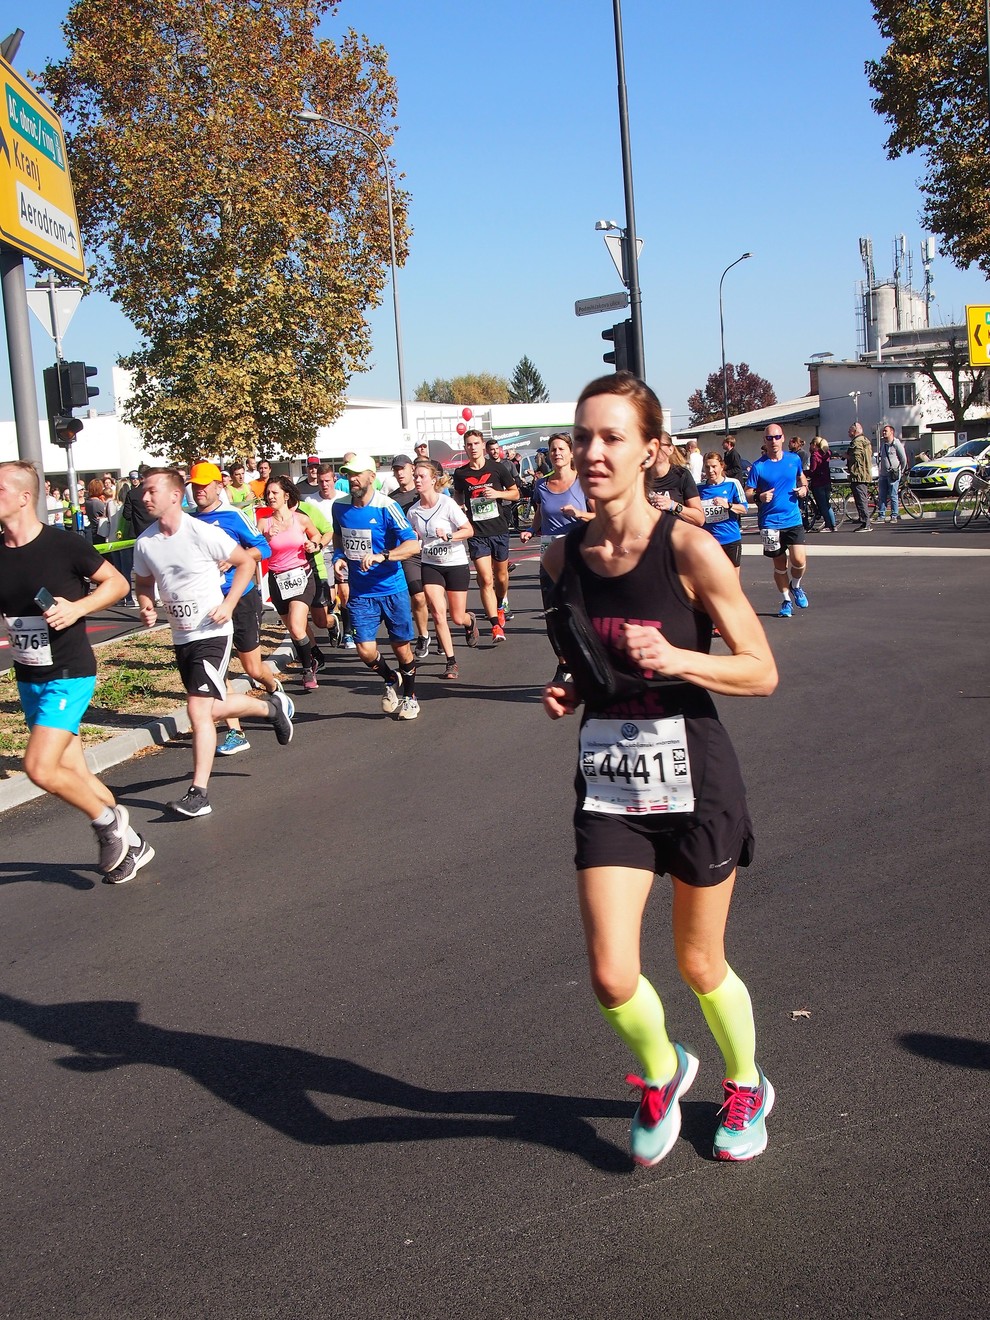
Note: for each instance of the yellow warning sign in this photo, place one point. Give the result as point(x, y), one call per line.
point(978, 335)
point(37, 208)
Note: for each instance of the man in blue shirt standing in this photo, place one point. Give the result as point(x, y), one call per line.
point(371, 537)
point(776, 483)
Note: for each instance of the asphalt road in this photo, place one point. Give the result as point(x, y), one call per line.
point(334, 1054)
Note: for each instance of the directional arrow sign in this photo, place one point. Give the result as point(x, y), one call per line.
point(608, 302)
point(978, 335)
point(37, 208)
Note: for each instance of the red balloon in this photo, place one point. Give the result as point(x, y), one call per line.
point(460, 428)
point(467, 414)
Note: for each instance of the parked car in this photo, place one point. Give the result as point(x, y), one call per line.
point(953, 471)
point(837, 458)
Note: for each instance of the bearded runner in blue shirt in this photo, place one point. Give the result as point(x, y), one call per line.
point(207, 484)
point(777, 482)
point(371, 537)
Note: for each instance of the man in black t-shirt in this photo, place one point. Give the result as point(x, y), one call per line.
point(734, 466)
point(45, 576)
point(484, 488)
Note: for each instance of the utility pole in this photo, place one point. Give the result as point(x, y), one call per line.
point(637, 356)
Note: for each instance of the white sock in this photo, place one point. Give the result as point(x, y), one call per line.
point(106, 817)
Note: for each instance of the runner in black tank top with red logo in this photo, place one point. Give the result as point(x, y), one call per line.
point(659, 788)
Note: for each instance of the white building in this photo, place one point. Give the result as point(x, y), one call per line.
point(883, 388)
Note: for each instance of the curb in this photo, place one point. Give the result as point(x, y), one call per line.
point(18, 789)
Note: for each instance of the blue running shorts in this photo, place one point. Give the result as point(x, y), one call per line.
point(58, 704)
point(368, 612)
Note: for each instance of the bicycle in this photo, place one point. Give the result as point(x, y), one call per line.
point(810, 516)
point(908, 502)
point(974, 502)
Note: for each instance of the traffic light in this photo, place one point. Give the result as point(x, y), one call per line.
point(79, 393)
point(65, 430)
point(619, 336)
point(54, 403)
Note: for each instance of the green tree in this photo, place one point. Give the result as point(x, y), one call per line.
point(747, 392)
point(931, 86)
point(526, 385)
point(435, 391)
point(474, 387)
point(244, 246)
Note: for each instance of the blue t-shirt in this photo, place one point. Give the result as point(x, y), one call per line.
point(781, 476)
point(237, 527)
point(372, 528)
point(720, 521)
point(552, 521)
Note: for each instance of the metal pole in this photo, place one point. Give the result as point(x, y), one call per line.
point(631, 252)
point(721, 326)
point(15, 311)
point(311, 117)
point(69, 461)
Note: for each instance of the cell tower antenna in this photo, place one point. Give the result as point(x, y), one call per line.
point(927, 260)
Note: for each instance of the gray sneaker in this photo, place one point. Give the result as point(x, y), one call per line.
point(112, 839)
point(390, 698)
point(136, 857)
point(193, 803)
point(280, 712)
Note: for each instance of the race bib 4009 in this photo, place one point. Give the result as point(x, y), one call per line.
point(636, 767)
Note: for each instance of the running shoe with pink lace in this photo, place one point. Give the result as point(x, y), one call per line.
point(742, 1134)
point(657, 1120)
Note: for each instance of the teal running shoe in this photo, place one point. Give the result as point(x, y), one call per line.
point(786, 610)
point(742, 1134)
point(657, 1120)
point(800, 597)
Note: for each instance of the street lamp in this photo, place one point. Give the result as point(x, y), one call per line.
point(721, 325)
point(311, 117)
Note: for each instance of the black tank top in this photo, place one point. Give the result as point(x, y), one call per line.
point(652, 594)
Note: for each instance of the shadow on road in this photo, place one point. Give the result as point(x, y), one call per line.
point(956, 1050)
point(49, 873)
point(271, 1083)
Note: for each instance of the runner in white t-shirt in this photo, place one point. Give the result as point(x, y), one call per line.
point(444, 528)
point(180, 556)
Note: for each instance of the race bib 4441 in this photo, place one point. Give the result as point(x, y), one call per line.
point(636, 767)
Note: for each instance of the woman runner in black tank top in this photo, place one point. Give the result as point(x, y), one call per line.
point(658, 785)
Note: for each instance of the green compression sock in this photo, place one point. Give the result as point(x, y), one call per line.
point(729, 1014)
point(640, 1023)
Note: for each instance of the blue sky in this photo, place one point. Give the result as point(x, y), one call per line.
point(751, 130)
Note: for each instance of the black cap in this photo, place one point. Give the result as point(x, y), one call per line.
point(401, 460)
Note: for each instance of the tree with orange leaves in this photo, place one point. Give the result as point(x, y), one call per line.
point(245, 246)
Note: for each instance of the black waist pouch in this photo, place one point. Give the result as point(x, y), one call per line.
point(599, 681)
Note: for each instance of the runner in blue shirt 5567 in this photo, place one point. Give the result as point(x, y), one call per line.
point(724, 502)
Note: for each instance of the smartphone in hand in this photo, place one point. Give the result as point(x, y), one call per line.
point(44, 599)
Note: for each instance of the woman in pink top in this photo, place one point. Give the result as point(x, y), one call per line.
point(291, 579)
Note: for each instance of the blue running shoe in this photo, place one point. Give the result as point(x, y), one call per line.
point(786, 610)
point(233, 743)
point(657, 1120)
point(800, 597)
point(742, 1134)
